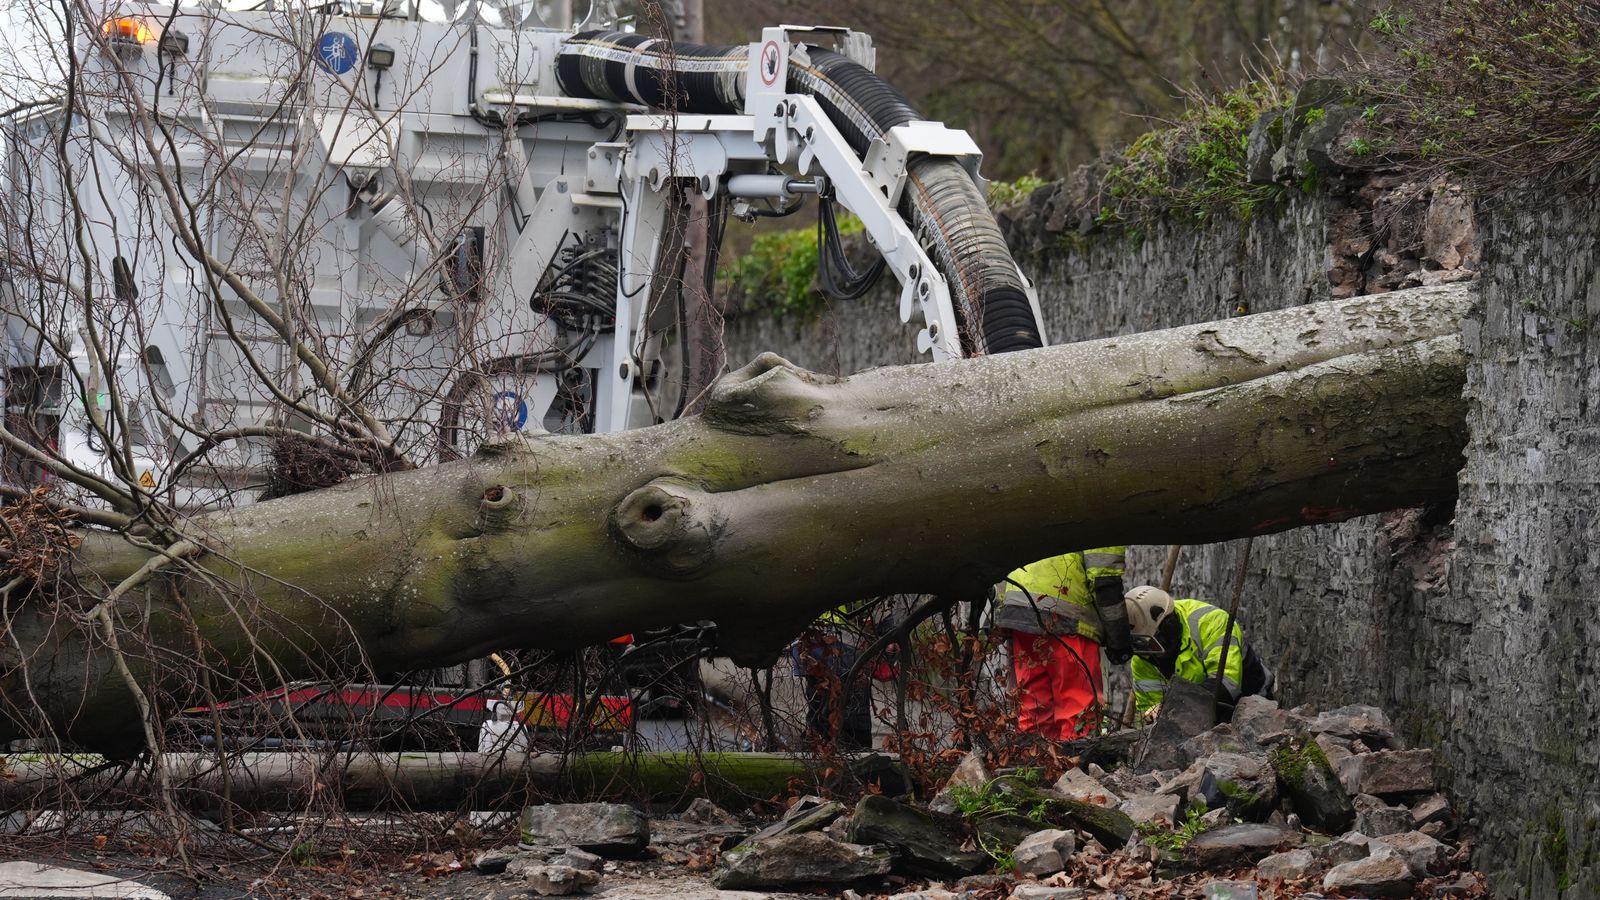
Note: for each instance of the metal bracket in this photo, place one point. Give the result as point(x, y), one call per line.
point(887, 156)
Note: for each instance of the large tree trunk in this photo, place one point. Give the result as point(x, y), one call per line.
point(791, 492)
point(414, 781)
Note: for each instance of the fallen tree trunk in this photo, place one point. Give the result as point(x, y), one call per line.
point(790, 491)
point(416, 782)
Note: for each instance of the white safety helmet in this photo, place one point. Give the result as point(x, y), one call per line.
point(1147, 606)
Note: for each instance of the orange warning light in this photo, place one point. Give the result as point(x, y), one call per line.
point(129, 30)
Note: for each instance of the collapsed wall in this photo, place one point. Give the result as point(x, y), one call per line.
point(1474, 627)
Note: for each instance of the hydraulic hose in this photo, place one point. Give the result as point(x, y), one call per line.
point(945, 209)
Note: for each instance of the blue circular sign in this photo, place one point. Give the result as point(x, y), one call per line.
point(336, 52)
point(510, 411)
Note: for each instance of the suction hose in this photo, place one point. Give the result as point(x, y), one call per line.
point(945, 209)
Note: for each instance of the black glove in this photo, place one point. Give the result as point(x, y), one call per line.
point(1115, 636)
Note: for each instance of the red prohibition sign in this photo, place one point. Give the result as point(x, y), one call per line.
point(769, 63)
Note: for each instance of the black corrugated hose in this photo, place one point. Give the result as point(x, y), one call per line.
point(944, 207)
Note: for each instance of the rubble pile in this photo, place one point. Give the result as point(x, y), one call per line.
point(1275, 804)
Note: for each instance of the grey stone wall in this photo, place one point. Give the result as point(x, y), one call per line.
point(1475, 627)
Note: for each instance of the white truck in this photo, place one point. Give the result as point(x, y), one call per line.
point(420, 226)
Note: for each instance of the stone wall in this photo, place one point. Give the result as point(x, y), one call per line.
point(1474, 626)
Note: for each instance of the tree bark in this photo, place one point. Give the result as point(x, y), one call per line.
point(790, 491)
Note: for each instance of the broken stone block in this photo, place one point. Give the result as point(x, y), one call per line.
point(1044, 853)
point(1318, 796)
point(1237, 845)
point(1229, 890)
point(1222, 739)
point(580, 859)
point(1263, 723)
point(1046, 892)
point(1152, 809)
point(923, 844)
point(1422, 853)
point(1348, 848)
point(491, 862)
point(560, 881)
point(802, 817)
point(1079, 785)
point(932, 893)
point(1355, 722)
point(1337, 749)
point(797, 859)
point(703, 812)
point(970, 773)
point(1385, 875)
point(1431, 809)
point(1388, 772)
point(1187, 709)
point(1379, 821)
point(1248, 784)
point(1290, 866)
point(609, 829)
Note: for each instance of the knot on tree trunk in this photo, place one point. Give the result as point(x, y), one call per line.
point(676, 527)
point(769, 396)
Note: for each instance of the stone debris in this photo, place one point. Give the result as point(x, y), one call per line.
point(1076, 784)
point(1388, 772)
point(612, 830)
point(1422, 853)
point(1278, 804)
point(788, 860)
point(1238, 845)
point(1383, 874)
point(703, 812)
point(923, 843)
point(560, 881)
point(1152, 809)
point(1292, 865)
point(970, 773)
point(491, 862)
point(1044, 853)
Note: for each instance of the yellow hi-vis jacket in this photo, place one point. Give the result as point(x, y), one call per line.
point(1199, 654)
point(1063, 588)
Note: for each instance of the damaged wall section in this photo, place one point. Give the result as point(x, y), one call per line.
point(1474, 627)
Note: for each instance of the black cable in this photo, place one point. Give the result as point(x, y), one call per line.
point(836, 276)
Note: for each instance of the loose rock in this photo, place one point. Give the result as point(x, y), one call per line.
point(560, 881)
point(1263, 723)
point(609, 829)
point(1422, 853)
point(579, 859)
point(970, 773)
point(1388, 772)
point(1317, 794)
point(1385, 875)
point(1079, 785)
point(923, 844)
point(1044, 853)
point(1151, 809)
point(798, 859)
point(1383, 820)
point(491, 862)
point(703, 812)
point(1237, 844)
point(1187, 709)
point(1356, 722)
point(1046, 892)
point(1291, 866)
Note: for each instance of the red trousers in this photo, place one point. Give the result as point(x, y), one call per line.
point(1057, 690)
